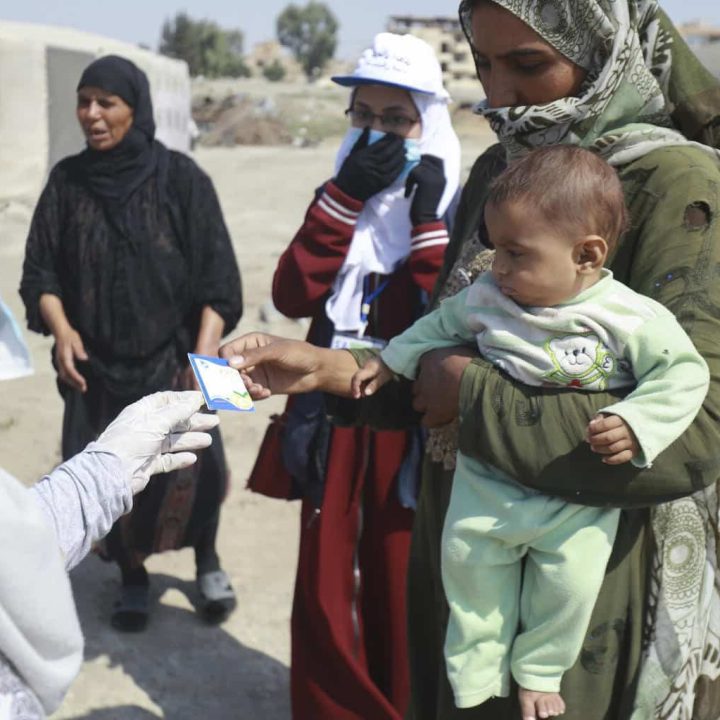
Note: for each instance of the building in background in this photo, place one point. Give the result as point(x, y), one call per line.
point(446, 38)
point(39, 70)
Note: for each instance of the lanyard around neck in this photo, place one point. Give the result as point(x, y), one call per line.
point(369, 298)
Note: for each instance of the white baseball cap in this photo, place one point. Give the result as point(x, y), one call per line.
point(403, 61)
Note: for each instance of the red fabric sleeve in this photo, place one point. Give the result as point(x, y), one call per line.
point(426, 253)
point(309, 266)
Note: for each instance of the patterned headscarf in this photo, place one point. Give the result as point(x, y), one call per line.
point(622, 110)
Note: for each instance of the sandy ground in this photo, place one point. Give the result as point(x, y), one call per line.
point(179, 668)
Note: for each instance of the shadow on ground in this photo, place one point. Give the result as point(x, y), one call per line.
point(188, 669)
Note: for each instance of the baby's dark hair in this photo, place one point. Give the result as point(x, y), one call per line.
point(570, 186)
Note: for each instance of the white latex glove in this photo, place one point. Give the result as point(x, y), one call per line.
point(157, 433)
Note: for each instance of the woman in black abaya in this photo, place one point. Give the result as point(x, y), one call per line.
point(130, 266)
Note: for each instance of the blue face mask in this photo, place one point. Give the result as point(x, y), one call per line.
point(412, 148)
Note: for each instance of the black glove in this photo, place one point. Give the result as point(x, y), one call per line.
point(428, 179)
point(368, 169)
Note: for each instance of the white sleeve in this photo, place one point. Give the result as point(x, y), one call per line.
point(82, 498)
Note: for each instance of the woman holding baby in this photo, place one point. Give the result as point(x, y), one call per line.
point(616, 78)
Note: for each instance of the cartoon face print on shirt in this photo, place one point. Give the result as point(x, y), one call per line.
point(580, 361)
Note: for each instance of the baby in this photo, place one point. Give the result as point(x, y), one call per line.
point(550, 314)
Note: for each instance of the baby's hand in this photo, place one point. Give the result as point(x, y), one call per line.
point(611, 436)
point(370, 377)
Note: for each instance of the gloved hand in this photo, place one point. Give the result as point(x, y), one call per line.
point(428, 180)
point(155, 435)
point(368, 169)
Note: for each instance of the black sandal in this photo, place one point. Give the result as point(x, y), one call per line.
point(132, 609)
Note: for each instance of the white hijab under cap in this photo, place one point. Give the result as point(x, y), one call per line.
point(39, 629)
point(383, 231)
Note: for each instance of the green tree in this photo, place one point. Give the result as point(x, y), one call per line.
point(205, 46)
point(310, 33)
point(275, 71)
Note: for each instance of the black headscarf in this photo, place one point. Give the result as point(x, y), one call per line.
point(115, 174)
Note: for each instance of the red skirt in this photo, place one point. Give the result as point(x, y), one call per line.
point(349, 639)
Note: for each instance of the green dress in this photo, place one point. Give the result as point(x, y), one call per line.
point(658, 600)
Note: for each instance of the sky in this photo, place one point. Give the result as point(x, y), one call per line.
point(140, 21)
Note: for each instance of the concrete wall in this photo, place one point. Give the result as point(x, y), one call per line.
point(23, 119)
point(64, 67)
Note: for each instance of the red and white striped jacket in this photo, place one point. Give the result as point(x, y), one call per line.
point(307, 269)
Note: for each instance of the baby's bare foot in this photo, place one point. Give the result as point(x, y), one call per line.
point(536, 705)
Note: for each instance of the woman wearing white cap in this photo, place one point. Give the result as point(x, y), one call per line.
point(48, 528)
point(362, 266)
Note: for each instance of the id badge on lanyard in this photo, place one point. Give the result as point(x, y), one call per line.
point(359, 340)
point(353, 341)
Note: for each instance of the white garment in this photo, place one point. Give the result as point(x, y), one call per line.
point(39, 629)
point(383, 231)
point(46, 530)
point(41, 643)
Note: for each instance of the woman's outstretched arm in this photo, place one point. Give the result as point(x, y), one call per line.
point(273, 365)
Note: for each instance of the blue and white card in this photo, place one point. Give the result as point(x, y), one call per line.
point(221, 386)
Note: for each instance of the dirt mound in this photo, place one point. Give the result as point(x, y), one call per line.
point(240, 120)
point(252, 112)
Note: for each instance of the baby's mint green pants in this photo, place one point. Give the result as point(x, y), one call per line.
point(521, 572)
